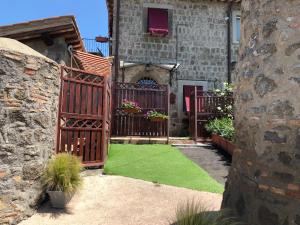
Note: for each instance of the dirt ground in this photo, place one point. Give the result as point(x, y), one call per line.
point(113, 200)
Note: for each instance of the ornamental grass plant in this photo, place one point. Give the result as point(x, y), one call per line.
point(62, 174)
point(193, 213)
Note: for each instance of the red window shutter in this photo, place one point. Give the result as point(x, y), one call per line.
point(158, 22)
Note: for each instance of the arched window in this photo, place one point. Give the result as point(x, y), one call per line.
point(147, 82)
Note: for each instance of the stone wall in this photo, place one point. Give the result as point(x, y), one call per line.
point(58, 51)
point(264, 182)
point(29, 88)
point(201, 40)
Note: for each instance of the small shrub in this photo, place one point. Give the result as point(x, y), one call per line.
point(223, 127)
point(193, 213)
point(155, 114)
point(62, 174)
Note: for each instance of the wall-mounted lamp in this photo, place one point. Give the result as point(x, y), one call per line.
point(147, 67)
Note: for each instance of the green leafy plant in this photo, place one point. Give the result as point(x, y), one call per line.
point(223, 127)
point(193, 213)
point(154, 114)
point(62, 174)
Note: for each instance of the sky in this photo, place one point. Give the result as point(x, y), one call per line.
point(91, 15)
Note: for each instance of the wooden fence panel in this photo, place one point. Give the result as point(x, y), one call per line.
point(204, 107)
point(84, 120)
point(154, 97)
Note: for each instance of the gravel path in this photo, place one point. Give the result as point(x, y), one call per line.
point(113, 200)
point(214, 161)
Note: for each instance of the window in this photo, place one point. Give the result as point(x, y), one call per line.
point(147, 82)
point(158, 22)
point(236, 25)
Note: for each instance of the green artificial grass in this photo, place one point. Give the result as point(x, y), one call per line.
point(160, 164)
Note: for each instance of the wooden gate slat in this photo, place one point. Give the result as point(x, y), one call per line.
point(149, 98)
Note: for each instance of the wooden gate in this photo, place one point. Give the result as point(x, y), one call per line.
point(204, 107)
point(84, 116)
point(149, 97)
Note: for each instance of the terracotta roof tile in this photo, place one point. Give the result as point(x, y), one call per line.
point(93, 63)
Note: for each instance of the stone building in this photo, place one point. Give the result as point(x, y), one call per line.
point(175, 42)
point(50, 37)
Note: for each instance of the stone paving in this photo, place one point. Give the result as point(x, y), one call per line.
point(114, 200)
point(214, 161)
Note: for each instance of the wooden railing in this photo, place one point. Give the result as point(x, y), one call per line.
point(154, 97)
point(204, 107)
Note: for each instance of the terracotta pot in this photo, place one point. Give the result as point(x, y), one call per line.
point(222, 143)
point(157, 119)
point(130, 111)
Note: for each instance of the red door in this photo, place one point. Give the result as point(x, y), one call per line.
point(187, 91)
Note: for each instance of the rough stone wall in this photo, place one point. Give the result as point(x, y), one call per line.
point(264, 182)
point(202, 44)
point(29, 88)
point(57, 52)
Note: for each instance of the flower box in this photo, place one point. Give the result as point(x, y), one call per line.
point(155, 116)
point(157, 119)
point(224, 144)
point(131, 110)
point(130, 107)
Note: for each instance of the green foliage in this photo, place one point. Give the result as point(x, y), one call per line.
point(193, 213)
point(62, 173)
point(225, 107)
point(155, 114)
point(223, 127)
point(160, 164)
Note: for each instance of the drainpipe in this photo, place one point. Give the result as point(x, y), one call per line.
point(177, 43)
point(117, 60)
point(229, 17)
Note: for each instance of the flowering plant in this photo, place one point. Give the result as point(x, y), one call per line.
point(126, 104)
point(225, 107)
point(154, 114)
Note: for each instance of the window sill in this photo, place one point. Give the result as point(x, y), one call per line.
point(153, 36)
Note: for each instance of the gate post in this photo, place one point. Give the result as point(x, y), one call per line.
point(104, 120)
point(196, 114)
point(58, 132)
point(168, 122)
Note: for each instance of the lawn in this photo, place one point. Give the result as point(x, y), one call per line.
point(160, 164)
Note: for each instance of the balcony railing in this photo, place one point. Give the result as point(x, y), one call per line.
point(94, 47)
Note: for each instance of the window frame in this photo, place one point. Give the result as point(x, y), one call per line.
point(146, 6)
point(235, 14)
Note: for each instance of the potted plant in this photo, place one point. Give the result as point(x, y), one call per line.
point(130, 106)
point(222, 131)
point(155, 116)
point(61, 179)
